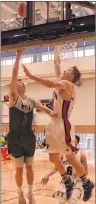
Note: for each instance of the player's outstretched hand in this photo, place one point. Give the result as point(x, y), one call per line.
point(45, 180)
point(27, 73)
point(53, 114)
point(20, 51)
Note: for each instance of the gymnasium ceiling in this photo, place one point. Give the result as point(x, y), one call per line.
point(11, 20)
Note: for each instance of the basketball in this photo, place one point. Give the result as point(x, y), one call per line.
point(22, 10)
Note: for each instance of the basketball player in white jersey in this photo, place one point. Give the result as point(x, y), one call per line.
point(21, 139)
point(59, 131)
point(70, 171)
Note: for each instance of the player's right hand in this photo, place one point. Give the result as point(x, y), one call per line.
point(20, 51)
point(45, 180)
point(53, 114)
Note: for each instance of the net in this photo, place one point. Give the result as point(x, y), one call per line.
point(66, 51)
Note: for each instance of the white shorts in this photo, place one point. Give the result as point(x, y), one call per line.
point(56, 138)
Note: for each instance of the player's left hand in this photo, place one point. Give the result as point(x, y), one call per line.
point(45, 180)
point(53, 114)
point(27, 73)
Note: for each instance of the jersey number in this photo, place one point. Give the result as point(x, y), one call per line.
point(69, 170)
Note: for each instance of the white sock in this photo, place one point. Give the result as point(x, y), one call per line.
point(20, 189)
point(30, 187)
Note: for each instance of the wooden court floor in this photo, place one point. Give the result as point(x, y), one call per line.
point(41, 166)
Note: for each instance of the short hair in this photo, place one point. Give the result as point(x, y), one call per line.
point(77, 138)
point(77, 74)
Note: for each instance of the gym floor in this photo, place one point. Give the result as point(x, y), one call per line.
point(41, 166)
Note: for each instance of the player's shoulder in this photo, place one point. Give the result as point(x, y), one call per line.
point(30, 100)
point(68, 83)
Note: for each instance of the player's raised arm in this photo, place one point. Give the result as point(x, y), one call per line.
point(13, 92)
point(57, 61)
point(15, 71)
point(64, 84)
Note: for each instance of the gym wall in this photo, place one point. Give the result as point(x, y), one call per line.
point(42, 68)
point(84, 109)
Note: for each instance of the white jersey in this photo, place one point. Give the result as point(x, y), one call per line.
point(60, 132)
point(63, 107)
point(25, 105)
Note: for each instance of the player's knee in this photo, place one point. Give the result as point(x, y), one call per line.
point(28, 168)
point(70, 158)
point(53, 159)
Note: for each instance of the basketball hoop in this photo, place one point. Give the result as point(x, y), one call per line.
point(66, 51)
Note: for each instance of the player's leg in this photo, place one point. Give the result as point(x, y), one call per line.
point(18, 158)
point(76, 193)
point(56, 160)
point(86, 183)
point(74, 161)
point(19, 171)
point(30, 179)
point(19, 178)
point(66, 180)
point(55, 141)
point(30, 150)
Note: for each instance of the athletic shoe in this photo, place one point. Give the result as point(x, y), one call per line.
point(88, 187)
point(21, 199)
point(76, 195)
point(68, 193)
point(69, 184)
point(31, 199)
point(61, 196)
point(77, 191)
